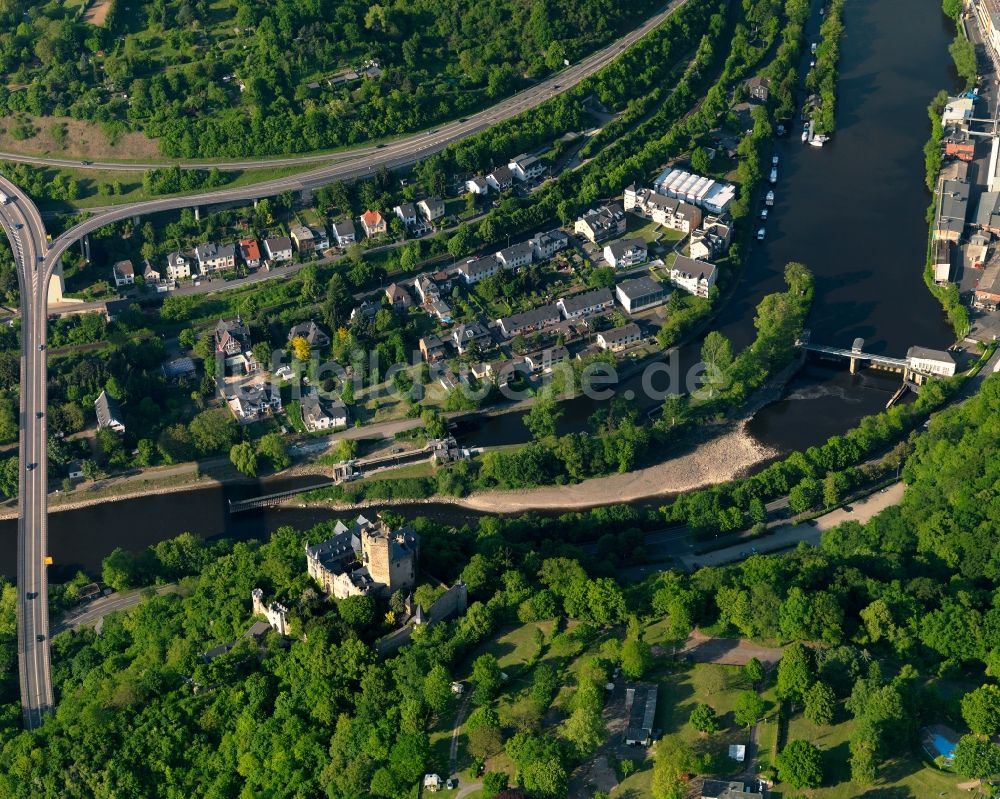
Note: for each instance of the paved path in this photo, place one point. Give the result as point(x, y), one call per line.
point(787, 536)
point(94, 612)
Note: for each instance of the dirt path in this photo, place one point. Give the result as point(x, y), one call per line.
point(702, 648)
point(716, 461)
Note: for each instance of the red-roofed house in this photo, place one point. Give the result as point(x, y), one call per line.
point(373, 223)
point(250, 252)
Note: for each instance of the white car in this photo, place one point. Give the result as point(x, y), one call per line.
point(760, 234)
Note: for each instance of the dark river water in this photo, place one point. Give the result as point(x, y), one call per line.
point(853, 211)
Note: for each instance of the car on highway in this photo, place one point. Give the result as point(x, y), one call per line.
point(39, 414)
point(41, 347)
point(40, 637)
point(41, 258)
point(30, 466)
point(380, 145)
point(86, 163)
point(30, 594)
point(18, 226)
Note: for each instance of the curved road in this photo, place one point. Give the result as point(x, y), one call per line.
point(428, 142)
point(37, 261)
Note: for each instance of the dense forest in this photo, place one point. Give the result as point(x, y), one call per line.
point(242, 78)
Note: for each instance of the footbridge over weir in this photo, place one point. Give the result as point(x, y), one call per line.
point(918, 365)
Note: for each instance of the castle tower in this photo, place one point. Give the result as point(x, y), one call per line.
point(257, 598)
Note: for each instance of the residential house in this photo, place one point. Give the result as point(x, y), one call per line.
point(986, 296)
point(669, 212)
point(501, 178)
point(695, 277)
point(317, 337)
point(477, 185)
point(432, 208)
point(367, 557)
point(977, 248)
point(526, 167)
point(476, 269)
point(407, 214)
point(623, 253)
point(373, 224)
point(427, 288)
point(233, 344)
point(178, 266)
point(931, 362)
point(123, 273)
point(545, 245)
point(730, 789)
point(586, 303)
point(641, 293)
point(988, 212)
point(640, 704)
point(344, 232)
point(149, 273)
point(305, 243)
point(544, 360)
point(601, 223)
point(432, 349)
point(398, 297)
point(516, 255)
point(759, 89)
point(958, 111)
point(449, 380)
point(320, 237)
point(952, 210)
point(529, 321)
point(712, 239)
point(469, 334)
point(619, 338)
point(250, 253)
point(715, 196)
point(278, 249)
point(213, 257)
point(320, 414)
point(108, 413)
point(254, 402)
point(441, 310)
point(366, 310)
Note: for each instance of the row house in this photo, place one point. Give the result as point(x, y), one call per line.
point(545, 245)
point(586, 304)
point(529, 321)
point(516, 256)
point(213, 257)
point(476, 269)
point(526, 167)
point(712, 239)
point(619, 338)
point(544, 360)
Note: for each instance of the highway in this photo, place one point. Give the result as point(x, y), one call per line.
point(24, 229)
point(37, 261)
point(426, 142)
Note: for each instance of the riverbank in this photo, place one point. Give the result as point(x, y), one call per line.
point(718, 460)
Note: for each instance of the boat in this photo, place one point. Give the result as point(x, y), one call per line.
point(763, 215)
point(774, 175)
point(805, 132)
point(760, 234)
point(769, 198)
point(781, 130)
point(818, 141)
point(774, 160)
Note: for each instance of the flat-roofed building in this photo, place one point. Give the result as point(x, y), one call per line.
point(641, 293)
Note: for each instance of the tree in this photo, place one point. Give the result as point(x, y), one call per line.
point(541, 420)
point(357, 611)
point(636, 657)
point(272, 447)
point(244, 458)
point(700, 162)
point(212, 431)
point(300, 348)
point(820, 703)
point(437, 688)
point(494, 782)
point(800, 765)
point(485, 742)
point(753, 671)
point(794, 672)
point(864, 746)
point(976, 758)
point(486, 678)
point(704, 719)
point(674, 761)
point(748, 708)
point(585, 730)
point(981, 710)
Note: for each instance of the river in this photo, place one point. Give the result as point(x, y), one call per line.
point(852, 211)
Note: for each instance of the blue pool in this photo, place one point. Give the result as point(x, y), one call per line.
point(944, 748)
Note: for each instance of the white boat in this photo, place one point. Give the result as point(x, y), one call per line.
point(760, 234)
point(816, 142)
point(774, 175)
point(763, 215)
point(774, 160)
point(805, 132)
point(769, 198)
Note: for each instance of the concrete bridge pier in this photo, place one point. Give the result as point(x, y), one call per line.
point(857, 348)
point(85, 245)
point(57, 284)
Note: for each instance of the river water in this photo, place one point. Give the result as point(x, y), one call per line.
point(853, 211)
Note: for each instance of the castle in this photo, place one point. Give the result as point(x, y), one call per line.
point(275, 613)
point(366, 558)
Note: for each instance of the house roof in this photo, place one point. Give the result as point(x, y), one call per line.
point(623, 333)
point(107, 410)
point(124, 268)
point(406, 210)
point(371, 218)
point(310, 331)
point(502, 174)
point(587, 299)
point(469, 331)
point(624, 246)
point(250, 249)
point(478, 266)
point(276, 243)
point(642, 712)
point(534, 317)
point(989, 283)
point(344, 227)
point(548, 355)
point(313, 407)
point(396, 292)
point(689, 267)
point(516, 251)
point(433, 203)
point(929, 354)
point(211, 250)
point(300, 232)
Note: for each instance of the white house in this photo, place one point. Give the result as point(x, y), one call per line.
point(516, 256)
point(586, 304)
point(406, 213)
point(526, 167)
point(278, 248)
point(123, 273)
point(931, 362)
point(624, 253)
point(619, 338)
point(432, 208)
point(212, 257)
point(477, 185)
point(476, 269)
point(178, 266)
point(695, 277)
point(319, 415)
point(344, 232)
point(545, 245)
point(500, 179)
point(641, 293)
point(601, 223)
point(544, 360)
